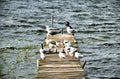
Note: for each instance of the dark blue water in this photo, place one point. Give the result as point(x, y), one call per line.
point(22, 25)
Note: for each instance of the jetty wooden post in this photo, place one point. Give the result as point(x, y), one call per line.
point(51, 21)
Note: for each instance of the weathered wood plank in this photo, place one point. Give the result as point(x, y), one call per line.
point(60, 71)
point(61, 66)
point(63, 75)
point(62, 37)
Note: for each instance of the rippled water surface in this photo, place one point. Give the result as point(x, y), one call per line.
point(22, 30)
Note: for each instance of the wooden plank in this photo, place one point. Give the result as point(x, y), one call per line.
point(75, 75)
point(61, 66)
point(62, 75)
point(59, 71)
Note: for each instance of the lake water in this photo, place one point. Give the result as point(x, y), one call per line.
point(22, 30)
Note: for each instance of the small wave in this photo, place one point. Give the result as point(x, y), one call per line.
point(30, 31)
point(2, 1)
point(13, 48)
point(110, 44)
point(94, 68)
point(98, 24)
point(113, 33)
point(109, 23)
point(24, 25)
point(52, 7)
point(22, 7)
point(5, 48)
point(93, 24)
point(114, 78)
point(106, 60)
point(93, 38)
point(39, 30)
point(77, 10)
point(3, 15)
point(87, 31)
point(22, 21)
point(13, 26)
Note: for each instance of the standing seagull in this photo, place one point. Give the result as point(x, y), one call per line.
point(61, 54)
point(69, 29)
point(42, 55)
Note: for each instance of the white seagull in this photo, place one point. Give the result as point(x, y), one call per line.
point(48, 29)
point(47, 41)
point(72, 51)
point(51, 46)
point(42, 51)
point(61, 54)
point(65, 41)
point(67, 46)
point(58, 43)
point(42, 55)
point(77, 55)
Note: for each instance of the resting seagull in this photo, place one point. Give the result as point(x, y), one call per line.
point(52, 31)
point(52, 46)
point(77, 55)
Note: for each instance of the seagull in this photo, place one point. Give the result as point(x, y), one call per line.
point(77, 55)
point(42, 55)
point(58, 43)
point(52, 31)
point(69, 29)
point(72, 51)
point(48, 29)
point(51, 46)
point(67, 46)
point(47, 41)
point(61, 54)
point(67, 50)
point(65, 41)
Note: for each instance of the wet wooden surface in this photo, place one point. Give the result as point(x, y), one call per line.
point(62, 37)
point(55, 68)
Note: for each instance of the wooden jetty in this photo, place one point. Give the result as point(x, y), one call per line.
point(52, 67)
